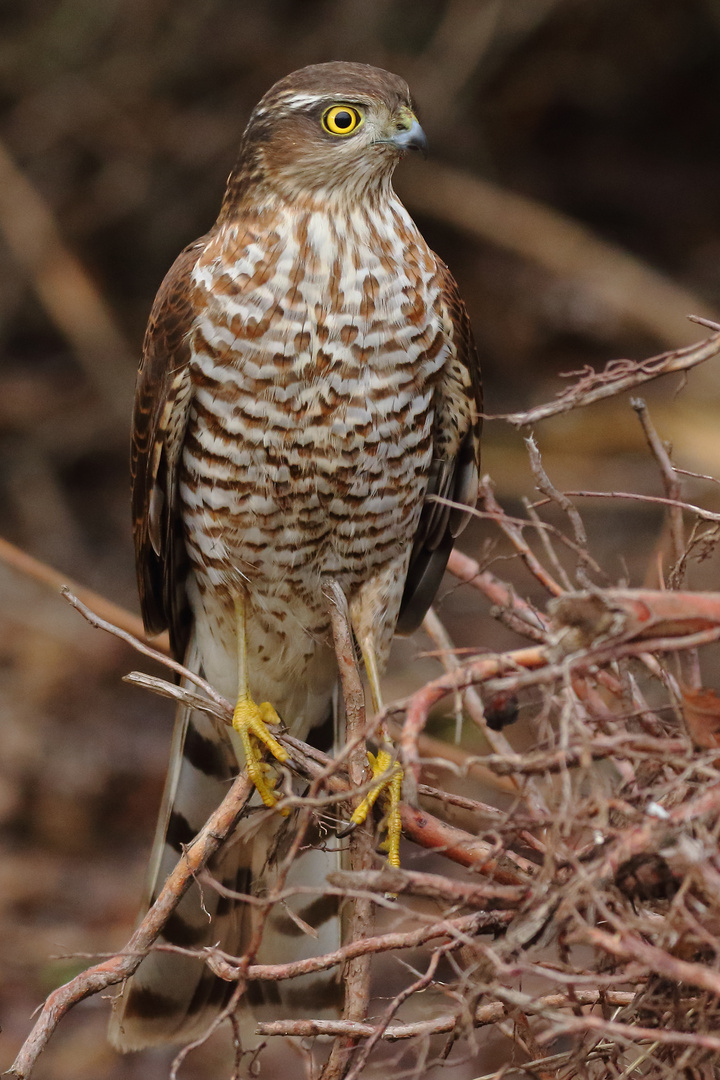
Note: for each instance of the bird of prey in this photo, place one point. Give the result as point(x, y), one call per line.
point(308, 407)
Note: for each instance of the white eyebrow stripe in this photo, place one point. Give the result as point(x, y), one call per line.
point(299, 101)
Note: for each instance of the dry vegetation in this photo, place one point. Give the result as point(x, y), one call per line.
point(586, 925)
point(557, 908)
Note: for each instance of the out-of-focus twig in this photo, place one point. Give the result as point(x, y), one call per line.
point(66, 290)
point(630, 288)
point(689, 661)
point(456, 48)
point(36, 570)
point(514, 533)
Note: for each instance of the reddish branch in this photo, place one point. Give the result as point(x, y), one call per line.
point(464, 848)
point(453, 929)
point(574, 864)
point(498, 593)
point(589, 629)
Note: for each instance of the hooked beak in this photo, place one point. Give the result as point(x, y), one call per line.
point(411, 138)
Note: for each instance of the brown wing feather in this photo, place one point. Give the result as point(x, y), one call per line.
point(455, 465)
point(162, 401)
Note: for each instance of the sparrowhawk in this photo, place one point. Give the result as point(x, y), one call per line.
point(308, 407)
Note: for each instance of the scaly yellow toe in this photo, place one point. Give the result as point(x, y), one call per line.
point(250, 721)
point(391, 784)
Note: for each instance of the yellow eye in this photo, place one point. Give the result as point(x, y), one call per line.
point(341, 120)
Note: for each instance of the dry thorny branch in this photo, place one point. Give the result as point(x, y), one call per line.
point(580, 916)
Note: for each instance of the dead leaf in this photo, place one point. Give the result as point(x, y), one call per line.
point(701, 709)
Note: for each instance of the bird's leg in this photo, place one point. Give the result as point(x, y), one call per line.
point(250, 720)
point(387, 773)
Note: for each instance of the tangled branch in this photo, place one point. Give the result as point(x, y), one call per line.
point(588, 867)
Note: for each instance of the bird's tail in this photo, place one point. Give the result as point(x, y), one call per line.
point(172, 998)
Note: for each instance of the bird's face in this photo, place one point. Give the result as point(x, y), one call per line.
point(331, 128)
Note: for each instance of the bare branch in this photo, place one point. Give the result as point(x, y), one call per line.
point(121, 966)
point(357, 969)
point(616, 378)
point(36, 570)
point(557, 243)
point(66, 290)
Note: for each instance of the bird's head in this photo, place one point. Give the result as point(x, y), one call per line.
point(335, 128)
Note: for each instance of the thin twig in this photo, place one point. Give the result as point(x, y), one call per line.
point(218, 826)
point(557, 243)
point(689, 661)
point(66, 290)
point(545, 484)
point(46, 575)
point(357, 969)
point(146, 650)
point(383, 1023)
point(658, 500)
point(514, 534)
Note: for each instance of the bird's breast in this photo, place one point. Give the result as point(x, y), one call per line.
point(315, 355)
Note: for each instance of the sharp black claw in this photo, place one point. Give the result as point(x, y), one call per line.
point(349, 828)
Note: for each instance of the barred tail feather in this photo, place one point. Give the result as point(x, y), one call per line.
point(173, 998)
point(318, 995)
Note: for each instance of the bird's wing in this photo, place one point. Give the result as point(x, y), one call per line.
point(162, 403)
point(455, 463)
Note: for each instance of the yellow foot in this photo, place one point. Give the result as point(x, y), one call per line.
point(391, 784)
point(250, 721)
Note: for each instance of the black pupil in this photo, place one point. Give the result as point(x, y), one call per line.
point(343, 119)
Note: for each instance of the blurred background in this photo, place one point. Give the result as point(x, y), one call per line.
point(574, 190)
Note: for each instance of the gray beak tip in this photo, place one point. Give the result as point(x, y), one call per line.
point(412, 139)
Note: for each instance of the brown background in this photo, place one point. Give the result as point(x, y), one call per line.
point(119, 122)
